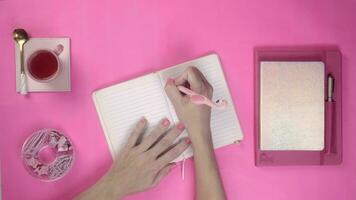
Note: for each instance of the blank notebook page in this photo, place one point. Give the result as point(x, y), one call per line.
point(292, 106)
point(224, 123)
point(121, 106)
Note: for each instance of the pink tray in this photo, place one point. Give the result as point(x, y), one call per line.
point(331, 57)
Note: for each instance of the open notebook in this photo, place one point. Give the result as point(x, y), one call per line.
point(121, 106)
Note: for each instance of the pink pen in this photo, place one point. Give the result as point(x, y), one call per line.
point(200, 99)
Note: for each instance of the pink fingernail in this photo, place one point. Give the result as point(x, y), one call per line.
point(181, 126)
point(187, 141)
point(170, 81)
point(143, 120)
point(165, 122)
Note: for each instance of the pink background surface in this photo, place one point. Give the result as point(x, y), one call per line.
point(113, 41)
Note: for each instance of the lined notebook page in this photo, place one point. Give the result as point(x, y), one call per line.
point(121, 106)
point(224, 123)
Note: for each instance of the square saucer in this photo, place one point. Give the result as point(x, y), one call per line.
point(62, 82)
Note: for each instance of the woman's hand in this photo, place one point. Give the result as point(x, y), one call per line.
point(195, 117)
point(141, 164)
point(197, 120)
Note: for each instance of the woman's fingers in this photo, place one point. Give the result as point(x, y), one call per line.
point(163, 173)
point(167, 140)
point(193, 77)
point(155, 135)
point(160, 145)
point(172, 92)
point(137, 133)
point(197, 81)
point(173, 153)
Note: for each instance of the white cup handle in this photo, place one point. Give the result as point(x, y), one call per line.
point(59, 49)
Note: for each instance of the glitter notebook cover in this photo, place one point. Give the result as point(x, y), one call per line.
point(282, 136)
point(292, 105)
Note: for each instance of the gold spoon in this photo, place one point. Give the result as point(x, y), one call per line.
point(21, 37)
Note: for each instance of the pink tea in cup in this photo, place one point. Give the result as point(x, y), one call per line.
point(43, 65)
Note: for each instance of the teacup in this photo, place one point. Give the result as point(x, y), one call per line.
point(44, 65)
